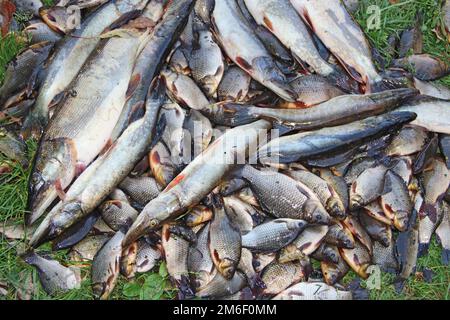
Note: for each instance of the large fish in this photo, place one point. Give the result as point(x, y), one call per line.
point(84, 121)
point(70, 55)
point(209, 167)
point(323, 141)
point(106, 172)
point(342, 35)
point(246, 50)
point(151, 59)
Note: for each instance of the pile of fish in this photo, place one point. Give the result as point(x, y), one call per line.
point(239, 141)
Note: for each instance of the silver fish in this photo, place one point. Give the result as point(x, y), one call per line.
point(234, 85)
point(443, 231)
point(313, 291)
point(86, 249)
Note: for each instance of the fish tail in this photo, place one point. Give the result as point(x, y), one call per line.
point(445, 256)
point(358, 292)
point(343, 81)
point(29, 256)
point(399, 285)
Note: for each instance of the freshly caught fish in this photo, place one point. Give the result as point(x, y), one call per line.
point(432, 89)
point(69, 144)
point(54, 277)
point(384, 256)
point(128, 261)
point(200, 132)
point(435, 182)
point(304, 245)
point(329, 198)
point(147, 256)
point(358, 258)
point(246, 50)
point(69, 57)
point(411, 39)
point(406, 248)
point(339, 237)
point(178, 61)
point(284, 197)
point(11, 231)
point(105, 267)
point(200, 263)
point(377, 230)
point(209, 167)
point(219, 286)
point(273, 235)
point(234, 85)
point(246, 266)
point(334, 272)
point(356, 167)
point(176, 251)
point(242, 213)
point(85, 4)
point(326, 253)
point(206, 61)
point(359, 233)
point(13, 147)
point(427, 225)
point(424, 157)
point(22, 71)
point(105, 173)
point(403, 168)
point(409, 140)
point(337, 183)
point(86, 249)
point(324, 141)
point(76, 233)
point(184, 90)
point(198, 215)
point(173, 135)
point(443, 233)
point(331, 22)
point(368, 186)
point(424, 66)
point(118, 214)
point(140, 189)
point(224, 241)
point(29, 6)
point(337, 111)
point(432, 114)
point(39, 32)
point(279, 276)
point(161, 164)
point(281, 19)
point(375, 211)
point(151, 59)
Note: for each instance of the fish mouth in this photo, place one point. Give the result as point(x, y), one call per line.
point(227, 268)
point(336, 210)
point(40, 198)
point(356, 202)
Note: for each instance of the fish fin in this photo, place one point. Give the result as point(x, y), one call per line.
point(60, 190)
point(236, 114)
point(427, 275)
point(136, 112)
point(57, 99)
point(158, 131)
point(399, 285)
point(124, 19)
point(106, 147)
point(343, 81)
point(185, 288)
point(427, 209)
point(283, 128)
point(133, 84)
point(79, 168)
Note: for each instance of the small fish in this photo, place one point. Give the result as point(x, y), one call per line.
point(326, 253)
point(162, 165)
point(314, 291)
point(246, 266)
point(359, 233)
point(200, 263)
point(128, 261)
point(224, 241)
point(219, 286)
point(443, 232)
point(356, 167)
point(368, 186)
point(339, 237)
point(140, 189)
point(427, 226)
point(357, 258)
point(409, 140)
point(411, 40)
point(13, 147)
point(176, 254)
point(377, 230)
point(234, 85)
point(118, 214)
point(432, 89)
point(39, 31)
point(273, 235)
point(337, 183)
point(424, 66)
point(424, 157)
point(242, 213)
point(333, 272)
point(384, 256)
point(54, 277)
point(375, 211)
point(304, 245)
point(403, 168)
point(86, 249)
point(198, 215)
point(61, 19)
point(32, 6)
point(279, 276)
point(444, 147)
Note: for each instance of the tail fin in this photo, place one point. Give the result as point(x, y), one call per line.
point(343, 81)
point(358, 292)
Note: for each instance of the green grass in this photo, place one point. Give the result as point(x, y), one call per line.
point(394, 19)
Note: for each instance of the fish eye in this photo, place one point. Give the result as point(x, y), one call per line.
point(153, 223)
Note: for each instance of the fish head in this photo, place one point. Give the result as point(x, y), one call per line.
point(315, 212)
point(290, 253)
point(64, 219)
point(227, 268)
point(401, 220)
point(356, 202)
point(336, 208)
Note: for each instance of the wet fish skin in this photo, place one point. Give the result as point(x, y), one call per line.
point(234, 85)
point(198, 215)
point(414, 136)
point(246, 50)
point(432, 113)
point(442, 233)
point(39, 31)
point(243, 214)
point(60, 19)
point(347, 41)
point(273, 235)
point(147, 256)
point(339, 237)
point(357, 258)
point(118, 214)
point(140, 189)
point(432, 89)
point(304, 245)
point(324, 141)
point(356, 167)
point(359, 233)
point(375, 211)
point(329, 198)
point(54, 277)
point(105, 173)
point(161, 164)
point(152, 58)
point(200, 132)
point(297, 202)
point(86, 249)
point(224, 241)
point(176, 251)
point(279, 276)
point(423, 158)
point(377, 230)
point(337, 183)
point(128, 261)
point(326, 253)
point(69, 57)
point(334, 272)
point(427, 226)
point(29, 6)
point(444, 147)
point(219, 286)
point(97, 90)
point(384, 256)
point(424, 66)
point(210, 167)
point(106, 267)
point(368, 186)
